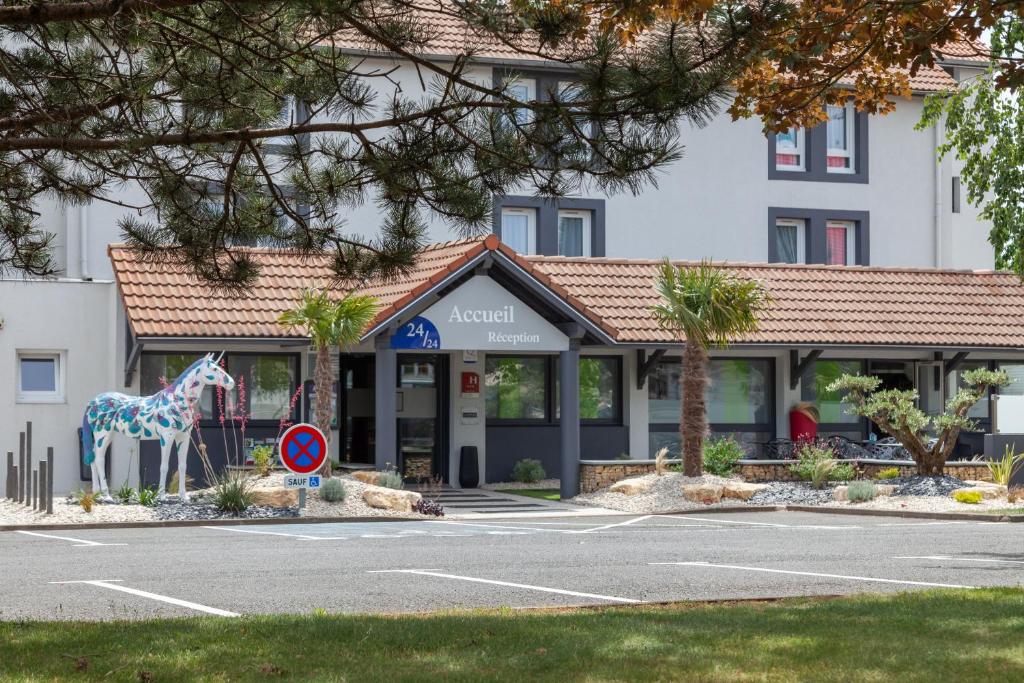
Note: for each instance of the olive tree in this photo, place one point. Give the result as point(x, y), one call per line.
point(895, 411)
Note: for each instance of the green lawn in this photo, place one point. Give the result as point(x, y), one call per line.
point(923, 636)
point(543, 494)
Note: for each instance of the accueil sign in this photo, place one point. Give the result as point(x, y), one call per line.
point(481, 314)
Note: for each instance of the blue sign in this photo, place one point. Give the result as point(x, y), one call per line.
point(418, 333)
point(314, 482)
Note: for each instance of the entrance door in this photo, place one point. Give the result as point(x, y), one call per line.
point(931, 394)
point(422, 423)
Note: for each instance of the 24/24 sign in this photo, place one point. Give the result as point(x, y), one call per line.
point(303, 449)
point(418, 333)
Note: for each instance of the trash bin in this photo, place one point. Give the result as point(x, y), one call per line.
point(469, 468)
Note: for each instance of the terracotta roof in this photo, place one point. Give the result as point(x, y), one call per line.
point(863, 305)
point(965, 51)
point(162, 301)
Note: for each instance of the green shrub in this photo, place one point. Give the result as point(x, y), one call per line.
point(263, 459)
point(720, 455)
point(125, 494)
point(147, 496)
point(815, 464)
point(528, 471)
point(888, 473)
point(967, 496)
point(333, 491)
point(861, 491)
point(232, 493)
point(391, 479)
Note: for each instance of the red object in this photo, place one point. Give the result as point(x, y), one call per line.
point(303, 449)
point(470, 383)
point(802, 427)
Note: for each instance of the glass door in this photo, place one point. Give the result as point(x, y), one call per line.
point(420, 379)
point(931, 394)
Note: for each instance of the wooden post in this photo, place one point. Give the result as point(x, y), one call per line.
point(17, 482)
point(49, 480)
point(9, 489)
point(29, 471)
point(44, 467)
point(22, 477)
point(35, 489)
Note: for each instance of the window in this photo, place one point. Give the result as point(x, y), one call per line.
point(840, 243)
point(522, 90)
point(790, 240)
point(739, 400)
point(600, 389)
point(40, 377)
point(789, 150)
point(269, 383)
point(574, 233)
point(814, 388)
point(839, 139)
point(515, 388)
point(519, 229)
point(954, 382)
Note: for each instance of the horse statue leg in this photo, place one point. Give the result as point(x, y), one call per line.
point(99, 471)
point(166, 441)
point(182, 439)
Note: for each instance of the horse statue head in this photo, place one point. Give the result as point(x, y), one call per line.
point(209, 372)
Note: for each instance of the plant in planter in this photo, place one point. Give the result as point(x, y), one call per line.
point(895, 411)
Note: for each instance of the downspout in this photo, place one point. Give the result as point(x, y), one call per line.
point(83, 242)
point(938, 132)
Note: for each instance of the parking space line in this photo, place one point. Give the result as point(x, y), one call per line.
point(108, 583)
point(473, 579)
point(82, 543)
point(610, 526)
point(769, 524)
point(303, 537)
point(826, 576)
point(946, 523)
point(957, 559)
point(496, 526)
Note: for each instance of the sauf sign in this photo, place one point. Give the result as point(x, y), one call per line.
point(480, 314)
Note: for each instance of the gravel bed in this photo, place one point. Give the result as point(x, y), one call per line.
point(175, 510)
point(666, 495)
point(920, 485)
point(792, 493)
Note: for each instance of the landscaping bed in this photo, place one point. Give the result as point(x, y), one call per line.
point(921, 636)
point(200, 507)
point(652, 494)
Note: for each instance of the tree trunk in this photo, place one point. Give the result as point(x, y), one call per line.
point(931, 463)
point(693, 423)
point(324, 381)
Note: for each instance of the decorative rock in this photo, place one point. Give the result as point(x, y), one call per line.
point(367, 476)
point(988, 490)
point(631, 487)
point(703, 493)
point(885, 489)
point(275, 498)
point(741, 490)
point(390, 499)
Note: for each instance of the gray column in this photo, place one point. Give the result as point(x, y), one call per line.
point(385, 416)
point(569, 420)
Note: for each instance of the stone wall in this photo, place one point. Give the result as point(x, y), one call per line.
point(597, 474)
point(778, 470)
point(418, 466)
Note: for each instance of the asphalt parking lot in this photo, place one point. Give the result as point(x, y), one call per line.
point(521, 563)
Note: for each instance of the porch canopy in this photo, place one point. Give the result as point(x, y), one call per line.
point(480, 295)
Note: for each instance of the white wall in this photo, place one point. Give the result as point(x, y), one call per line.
point(74, 318)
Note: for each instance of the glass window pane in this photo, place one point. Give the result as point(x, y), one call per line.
point(836, 253)
point(831, 407)
point(159, 370)
point(1016, 373)
point(786, 240)
point(836, 128)
point(980, 410)
point(39, 374)
point(515, 231)
point(269, 382)
point(600, 384)
point(516, 388)
point(570, 236)
point(787, 149)
point(670, 440)
point(739, 391)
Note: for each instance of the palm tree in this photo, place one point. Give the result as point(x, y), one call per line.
point(708, 307)
point(328, 323)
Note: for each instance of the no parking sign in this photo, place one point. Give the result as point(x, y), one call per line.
point(303, 449)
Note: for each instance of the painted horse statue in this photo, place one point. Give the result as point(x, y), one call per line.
point(168, 416)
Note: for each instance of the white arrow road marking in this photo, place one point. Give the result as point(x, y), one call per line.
point(108, 583)
point(957, 559)
point(826, 576)
point(473, 579)
point(81, 542)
